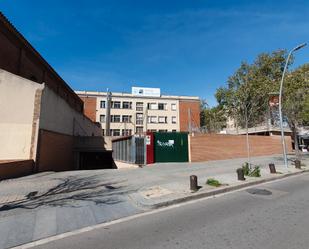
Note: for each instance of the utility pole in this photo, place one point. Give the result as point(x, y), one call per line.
point(189, 121)
point(280, 102)
point(146, 119)
point(108, 112)
point(247, 137)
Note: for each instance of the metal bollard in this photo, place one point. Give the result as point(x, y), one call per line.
point(272, 168)
point(240, 174)
point(193, 183)
point(297, 164)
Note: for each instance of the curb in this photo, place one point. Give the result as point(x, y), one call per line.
point(215, 192)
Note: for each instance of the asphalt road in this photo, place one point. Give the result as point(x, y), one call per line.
point(273, 215)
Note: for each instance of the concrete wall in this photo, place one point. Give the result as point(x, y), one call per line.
point(36, 123)
point(219, 147)
point(17, 124)
point(59, 123)
point(58, 116)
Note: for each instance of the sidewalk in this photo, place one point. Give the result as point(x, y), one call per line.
point(51, 203)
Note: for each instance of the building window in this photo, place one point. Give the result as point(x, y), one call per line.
point(126, 105)
point(115, 132)
point(126, 132)
point(152, 130)
point(116, 105)
point(103, 104)
point(162, 130)
point(126, 118)
point(152, 119)
point(139, 118)
point(162, 120)
point(174, 120)
point(152, 106)
point(161, 106)
point(173, 106)
point(115, 118)
point(139, 106)
point(174, 130)
point(139, 129)
point(102, 119)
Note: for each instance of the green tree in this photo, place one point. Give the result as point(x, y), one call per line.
point(203, 107)
point(246, 96)
point(296, 100)
point(248, 88)
point(305, 111)
point(213, 119)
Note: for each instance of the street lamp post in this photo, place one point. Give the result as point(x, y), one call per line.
point(280, 101)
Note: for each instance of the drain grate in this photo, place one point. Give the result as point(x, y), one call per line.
point(257, 191)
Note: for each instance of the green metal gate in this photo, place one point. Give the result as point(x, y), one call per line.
point(171, 147)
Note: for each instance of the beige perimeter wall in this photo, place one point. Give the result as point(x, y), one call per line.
point(58, 116)
point(59, 123)
point(17, 97)
point(28, 110)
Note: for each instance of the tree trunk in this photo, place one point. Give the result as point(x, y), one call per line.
point(296, 145)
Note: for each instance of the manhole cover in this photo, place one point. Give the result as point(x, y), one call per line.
point(109, 187)
point(256, 191)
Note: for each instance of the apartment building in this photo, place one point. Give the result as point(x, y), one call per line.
point(144, 109)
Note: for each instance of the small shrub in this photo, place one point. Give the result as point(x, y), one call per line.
point(250, 171)
point(213, 182)
point(246, 168)
point(256, 172)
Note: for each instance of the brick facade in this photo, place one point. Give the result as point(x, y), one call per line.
point(90, 107)
point(17, 168)
point(55, 152)
point(184, 108)
point(219, 147)
point(17, 56)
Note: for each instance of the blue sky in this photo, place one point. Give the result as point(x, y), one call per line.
point(185, 47)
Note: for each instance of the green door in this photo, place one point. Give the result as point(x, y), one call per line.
point(171, 147)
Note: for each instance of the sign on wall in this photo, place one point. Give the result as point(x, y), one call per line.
point(145, 91)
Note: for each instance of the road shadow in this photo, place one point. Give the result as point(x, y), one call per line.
point(72, 190)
